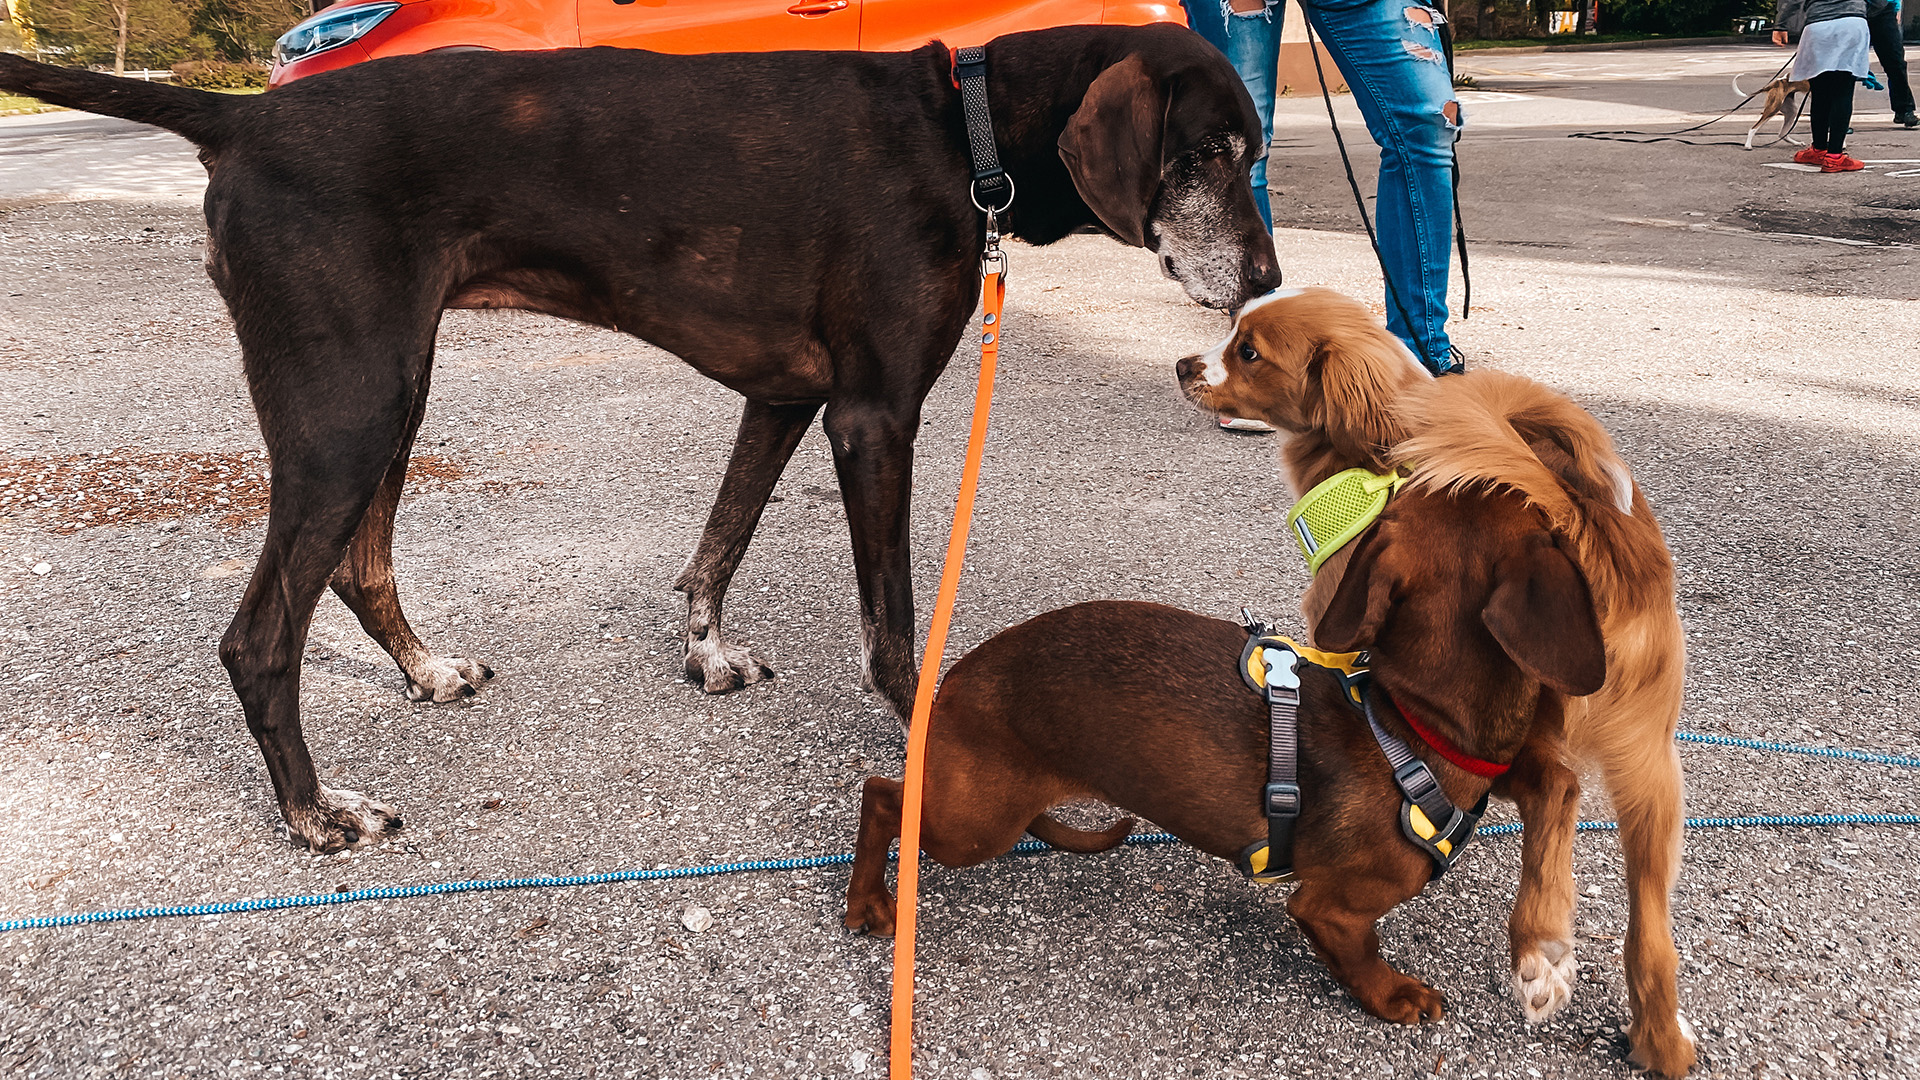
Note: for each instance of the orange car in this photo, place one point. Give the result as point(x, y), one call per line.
point(349, 33)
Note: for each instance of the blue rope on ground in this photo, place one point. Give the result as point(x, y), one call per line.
point(446, 888)
point(277, 903)
point(1790, 748)
point(1807, 821)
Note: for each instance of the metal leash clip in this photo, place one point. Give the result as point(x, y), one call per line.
point(992, 259)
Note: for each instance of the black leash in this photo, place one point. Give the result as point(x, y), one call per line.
point(1459, 222)
point(1673, 136)
point(1360, 202)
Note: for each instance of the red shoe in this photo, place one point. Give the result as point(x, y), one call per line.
point(1810, 156)
point(1842, 163)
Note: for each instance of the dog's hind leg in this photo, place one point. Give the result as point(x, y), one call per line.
point(1644, 781)
point(364, 581)
point(333, 442)
point(1540, 931)
point(767, 438)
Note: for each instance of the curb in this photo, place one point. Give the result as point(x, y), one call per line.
point(1609, 46)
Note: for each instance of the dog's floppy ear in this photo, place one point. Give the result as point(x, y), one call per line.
point(1112, 147)
point(1360, 371)
point(1360, 605)
point(1541, 613)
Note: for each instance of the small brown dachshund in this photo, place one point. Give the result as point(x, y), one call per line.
point(1476, 623)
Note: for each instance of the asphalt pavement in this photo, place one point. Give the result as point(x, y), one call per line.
point(1744, 328)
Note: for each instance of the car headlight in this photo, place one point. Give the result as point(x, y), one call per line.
point(330, 30)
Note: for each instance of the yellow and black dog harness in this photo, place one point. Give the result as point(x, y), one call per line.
point(1271, 666)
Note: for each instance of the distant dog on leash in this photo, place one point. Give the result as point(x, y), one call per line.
point(1782, 97)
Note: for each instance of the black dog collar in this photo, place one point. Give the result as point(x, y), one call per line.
point(992, 187)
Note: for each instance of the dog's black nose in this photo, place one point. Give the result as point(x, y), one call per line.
point(1262, 271)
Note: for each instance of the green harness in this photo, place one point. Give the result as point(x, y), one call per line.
point(1338, 509)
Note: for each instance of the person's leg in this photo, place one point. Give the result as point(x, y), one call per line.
point(1253, 45)
point(1837, 87)
point(1208, 18)
point(1248, 32)
point(1820, 98)
point(1889, 45)
point(1390, 53)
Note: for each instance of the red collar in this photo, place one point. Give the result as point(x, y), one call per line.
point(1446, 749)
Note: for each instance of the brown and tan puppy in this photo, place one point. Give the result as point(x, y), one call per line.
point(1317, 365)
point(1142, 706)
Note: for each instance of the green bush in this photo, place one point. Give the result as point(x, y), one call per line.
point(1677, 16)
point(219, 75)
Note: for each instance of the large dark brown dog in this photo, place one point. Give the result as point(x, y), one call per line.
point(797, 226)
point(1467, 605)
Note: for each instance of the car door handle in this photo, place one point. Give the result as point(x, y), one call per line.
point(817, 7)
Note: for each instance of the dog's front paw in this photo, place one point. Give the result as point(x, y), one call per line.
point(1409, 1001)
point(719, 667)
point(443, 679)
point(1543, 979)
point(338, 820)
point(874, 913)
point(1666, 1049)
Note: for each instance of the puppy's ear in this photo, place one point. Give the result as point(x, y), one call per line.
point(1112, 147)
point(1360, 374)
point(1542, 614)
point(1359, 607)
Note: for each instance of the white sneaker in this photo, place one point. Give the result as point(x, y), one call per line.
point(1241, 423)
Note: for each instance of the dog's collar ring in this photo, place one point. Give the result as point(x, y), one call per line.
point(991, 211)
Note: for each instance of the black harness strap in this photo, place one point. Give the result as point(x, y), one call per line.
point(1280, 799)
point(1447, 823)
point(1272, 665)
point(992, 187)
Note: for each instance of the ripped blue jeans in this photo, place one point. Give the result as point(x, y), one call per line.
point(1389, 54)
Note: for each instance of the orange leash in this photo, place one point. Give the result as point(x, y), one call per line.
point(993, 293)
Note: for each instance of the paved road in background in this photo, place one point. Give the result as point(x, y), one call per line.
point(1531, 185)
point(1746, 331)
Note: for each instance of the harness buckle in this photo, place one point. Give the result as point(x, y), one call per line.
point(1415, 780)
point(1281, 800)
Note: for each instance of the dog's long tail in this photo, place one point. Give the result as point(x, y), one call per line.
point(1494, 430)
point(203, 118)
point(1080, 841)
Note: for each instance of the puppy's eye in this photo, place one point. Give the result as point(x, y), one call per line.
point(1248, 353)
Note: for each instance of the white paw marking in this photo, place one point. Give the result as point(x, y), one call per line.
point(343, 818)
point(443, 679)
point(723, 667)
point(1543, 979)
